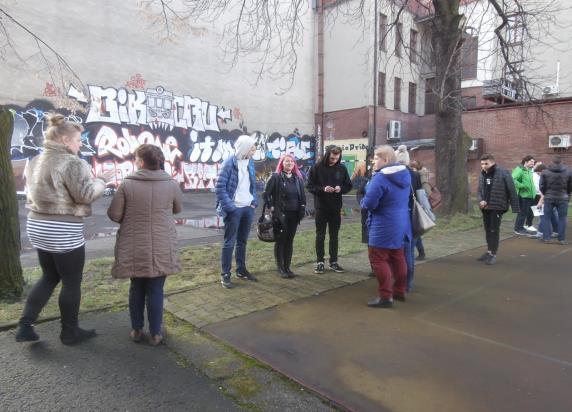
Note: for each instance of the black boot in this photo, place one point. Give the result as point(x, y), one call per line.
point(73, 335)
point(26, 333)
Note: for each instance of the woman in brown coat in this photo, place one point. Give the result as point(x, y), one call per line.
point(146, 246)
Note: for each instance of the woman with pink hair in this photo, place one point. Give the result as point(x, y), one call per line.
point(284, 195)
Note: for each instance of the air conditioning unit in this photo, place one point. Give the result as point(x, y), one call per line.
point(394, 130)
point(550, 90)
point(559, 141)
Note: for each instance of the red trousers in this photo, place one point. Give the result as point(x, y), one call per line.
point(389, 266)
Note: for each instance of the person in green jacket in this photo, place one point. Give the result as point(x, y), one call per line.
point(524, 184)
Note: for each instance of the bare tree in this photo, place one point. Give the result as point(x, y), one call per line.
point(11, 280)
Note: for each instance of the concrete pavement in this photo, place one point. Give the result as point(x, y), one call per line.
point(471, 337)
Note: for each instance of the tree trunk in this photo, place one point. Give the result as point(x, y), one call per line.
point(11, 279)
point(451, 143)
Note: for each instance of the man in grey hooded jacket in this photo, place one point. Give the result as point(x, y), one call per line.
point(236, 200)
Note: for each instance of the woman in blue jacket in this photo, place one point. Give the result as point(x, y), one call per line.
point(386, 200)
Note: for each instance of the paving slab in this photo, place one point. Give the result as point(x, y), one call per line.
point(471, 337)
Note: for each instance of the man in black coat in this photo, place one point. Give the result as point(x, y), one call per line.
point(327, 181)
point(555, 186)
point(495, 193)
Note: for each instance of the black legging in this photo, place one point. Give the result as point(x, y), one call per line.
point(67, 267)
point(283, 248)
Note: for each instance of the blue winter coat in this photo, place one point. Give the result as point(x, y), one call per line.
point(227, 183)
point(387, 201)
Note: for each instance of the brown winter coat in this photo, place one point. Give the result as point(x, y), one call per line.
point(60, 184)
point(146, 244)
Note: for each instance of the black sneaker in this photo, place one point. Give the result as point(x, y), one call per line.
point(225, 281)
point(319, 268)
point(246, 275)
point(26, 333)
point(484, 257)
point(71, 336)
point(420, 258)
point(380, 303)
point(524, 232)
point(336, 268)
point(491, 260)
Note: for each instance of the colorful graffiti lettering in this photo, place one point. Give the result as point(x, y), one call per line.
point(188, 129)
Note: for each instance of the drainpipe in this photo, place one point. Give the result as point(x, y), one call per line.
point(372, 141)
point(320, 60)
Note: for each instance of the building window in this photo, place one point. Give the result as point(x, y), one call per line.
point(469, 57)
point(412, 97)
point(398, 39)
point(381, 89)
point(469, 102)
point(413, 46)
point(397, 94)
point(430, 96)
point(382, 32)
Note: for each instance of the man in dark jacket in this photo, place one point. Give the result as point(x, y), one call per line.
point(327, 181)
point(555, 186)
point(495, 193)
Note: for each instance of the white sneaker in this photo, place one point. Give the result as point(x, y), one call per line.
point(531, 228)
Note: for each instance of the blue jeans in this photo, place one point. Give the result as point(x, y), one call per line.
point(409, 251)
point(553, 223)
point(561, 207)
point(152, 289)
point(236, 229)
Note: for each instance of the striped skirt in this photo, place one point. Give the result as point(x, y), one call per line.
point(55, 236)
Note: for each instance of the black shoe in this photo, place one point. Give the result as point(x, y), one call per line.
point(400, 298)
point(484, 257)
point(246, 275)
point(371, 274)
point(319, 268)
point(26, 333)
point(491, 260)
point(225, 281)
point(420, 258)
point(336, 268)
point(290, 273)
point(380, 303)
point(71, 336)
point(283, 274)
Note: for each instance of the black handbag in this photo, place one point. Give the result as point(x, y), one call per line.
point(265, 227)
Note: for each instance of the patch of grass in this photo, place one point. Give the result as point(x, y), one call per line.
point(201, 265)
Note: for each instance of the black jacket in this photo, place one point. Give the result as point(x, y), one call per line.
point(556, 183)
point(274, 196)
point(503, 192)
point(322, 175)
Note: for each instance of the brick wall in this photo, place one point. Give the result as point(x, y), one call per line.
point(511, 133)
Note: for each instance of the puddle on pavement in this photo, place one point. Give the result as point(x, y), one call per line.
point(209, 222)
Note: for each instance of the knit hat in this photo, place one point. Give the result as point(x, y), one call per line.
point(243, 145)
point(402, 155)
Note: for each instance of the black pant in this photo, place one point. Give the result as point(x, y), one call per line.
point(525, 214)
point(492, 221)
point(333, 220)
point(67, 267)
point(285, 240)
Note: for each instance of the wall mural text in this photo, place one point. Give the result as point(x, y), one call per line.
point(194, 134)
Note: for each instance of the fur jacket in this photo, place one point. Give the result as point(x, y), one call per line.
point(60, 183)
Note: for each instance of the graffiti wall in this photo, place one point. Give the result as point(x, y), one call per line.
point(195, 135)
